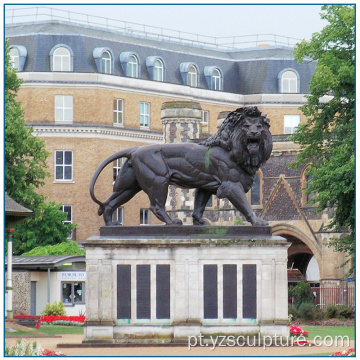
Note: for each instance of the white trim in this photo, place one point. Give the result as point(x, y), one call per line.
point(156, 88)
point(93, 132)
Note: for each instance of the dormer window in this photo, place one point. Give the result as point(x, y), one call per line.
point(104, 60)
point(156, 68)
point(18, 55)
point(61, 58)
point(132, 67)
point(130, 64)
point(214, 78)
point(289, 81)
point(14, 56)
point(190, 74)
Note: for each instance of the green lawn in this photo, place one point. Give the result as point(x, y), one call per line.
point(332, 331)
point(47, 330)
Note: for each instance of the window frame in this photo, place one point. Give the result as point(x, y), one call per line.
point(144, 117)
point(70, 237)
point(119, 215)
point(144, 214)
point(216, 80)
point(117, 165)
point(106, 62)
point(12, 57)
point(72, 283)
point(286, 83)
point(291, 118)
point(117, 112)
point(133, 66)
point(205, 120)
point(158, 70)
point(62, 59)
point(63, 109)
point(192, 76)
point(249, 193)
point(63, 165)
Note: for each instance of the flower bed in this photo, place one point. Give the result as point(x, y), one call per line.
point(54, 319)
point(350, 352)
point(25, 348)
point(297, 331)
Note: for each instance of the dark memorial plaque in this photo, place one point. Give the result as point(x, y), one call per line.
point(210, 292)
point(163, 291)
point(249, 292)
point(143, 292)
point(230, 291)
point(124, 291)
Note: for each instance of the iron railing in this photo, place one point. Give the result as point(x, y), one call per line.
point(20, 15)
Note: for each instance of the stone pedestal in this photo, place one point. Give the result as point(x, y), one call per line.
point(163, 284)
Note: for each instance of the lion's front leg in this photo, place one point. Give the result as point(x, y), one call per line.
point(236, 194)
point(201, 198)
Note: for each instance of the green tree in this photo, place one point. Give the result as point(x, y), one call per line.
point(66, 248)
point(328, 137)
point(25, 171)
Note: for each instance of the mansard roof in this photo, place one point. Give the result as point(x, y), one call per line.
point(245, 71)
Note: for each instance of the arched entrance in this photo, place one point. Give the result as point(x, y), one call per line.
point(303, 252)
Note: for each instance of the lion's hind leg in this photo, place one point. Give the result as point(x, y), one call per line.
point(125, 188)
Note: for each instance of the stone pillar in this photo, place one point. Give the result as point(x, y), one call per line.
point(9, 287)
point(181, 121)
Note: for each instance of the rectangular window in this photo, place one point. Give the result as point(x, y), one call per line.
point(143, 292)
point(144, 216)
point(63, 165)
point(205, 121)
point(117, 164)
point(249, 291)
point(291, 122)
point(163, 291)
point(73, 293)
point(210, 292)
point(144, 114)
point(124, 291)
point(229, 291)
point(64, 108)
point(68, 210)
point(118, 216)
point(118, 112)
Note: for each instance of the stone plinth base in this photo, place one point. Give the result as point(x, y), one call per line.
point(163, 284)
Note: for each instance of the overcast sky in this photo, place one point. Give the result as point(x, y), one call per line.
point(296, 21)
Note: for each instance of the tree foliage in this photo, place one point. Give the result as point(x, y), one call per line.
point(328, 137)
point(25, 171)
point(65, 248)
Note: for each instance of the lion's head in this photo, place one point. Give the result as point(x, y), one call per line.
point(245, 135)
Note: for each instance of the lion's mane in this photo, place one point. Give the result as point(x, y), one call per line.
point(232, 137)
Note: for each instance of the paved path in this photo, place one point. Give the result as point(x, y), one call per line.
point(51, 344)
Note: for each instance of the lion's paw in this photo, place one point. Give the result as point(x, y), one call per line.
point(260, 222)
point(176, 222)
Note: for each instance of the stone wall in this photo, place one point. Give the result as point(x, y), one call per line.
point(21, 281)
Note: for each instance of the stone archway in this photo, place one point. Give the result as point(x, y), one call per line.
point(302, 248)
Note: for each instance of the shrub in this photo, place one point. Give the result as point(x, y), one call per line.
point(345, 312)
point(301, 294)
point(331, 312)
point(57, 308)
point(320, 314)
point(307, 311)
point(293, 313)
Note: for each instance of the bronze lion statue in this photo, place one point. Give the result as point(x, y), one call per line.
point(224, 164)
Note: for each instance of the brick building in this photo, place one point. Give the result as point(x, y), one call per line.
point(90, 91)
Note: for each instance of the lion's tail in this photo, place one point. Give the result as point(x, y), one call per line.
point(120, 154)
